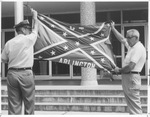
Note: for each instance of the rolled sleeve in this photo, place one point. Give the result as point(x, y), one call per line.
point(4, 56)
point(136, 55)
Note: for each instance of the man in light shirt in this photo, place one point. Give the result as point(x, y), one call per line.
point(18, 53)
point(132, 66)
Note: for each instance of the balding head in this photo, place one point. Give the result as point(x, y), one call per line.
point(133, 33)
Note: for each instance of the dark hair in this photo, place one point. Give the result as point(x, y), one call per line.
point(25, 26)
point(18, 29)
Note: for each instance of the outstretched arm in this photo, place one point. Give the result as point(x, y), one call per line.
point(125, 69)
point(35, 21)
point(119, 36)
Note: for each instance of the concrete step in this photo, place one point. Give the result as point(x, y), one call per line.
point(81, 107)
point(80, 90)
point(80, 99)
point(106, 98)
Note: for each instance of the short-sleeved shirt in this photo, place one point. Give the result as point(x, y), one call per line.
point(18, 52)
point(136, 54)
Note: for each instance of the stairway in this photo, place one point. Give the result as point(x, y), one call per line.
point(102, 98)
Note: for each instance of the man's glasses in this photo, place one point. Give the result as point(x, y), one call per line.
point(130, 37)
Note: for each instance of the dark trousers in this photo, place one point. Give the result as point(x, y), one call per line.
point(21, 87)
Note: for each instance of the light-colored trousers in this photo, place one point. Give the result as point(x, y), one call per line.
point(21, 87)
point(131, 84)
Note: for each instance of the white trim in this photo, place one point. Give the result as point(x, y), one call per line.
point(2, 46)
point(81, 36)
point(94, 45)
point(55, 44)
point(64, 87)
point(93, 60)
point(71, 71)
point(148, 63)
point(50, 68)
point(8, 30)
point(62, 55)
point(76, 35)
point(81, 96)
point(77, 49)
point(146, 40)
point(48, 77)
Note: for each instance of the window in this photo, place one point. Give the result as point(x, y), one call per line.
point(115, 42)
point(41, 67)
point(116, 47)
point(8, 22)
point(135, 16)
point(107, 16)
point(101, 16)
point(114, 16)
point(76, 71)
point(59, 69)
point(68, 18)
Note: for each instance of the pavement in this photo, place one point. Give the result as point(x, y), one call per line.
point(79, 114)
point(70, 113)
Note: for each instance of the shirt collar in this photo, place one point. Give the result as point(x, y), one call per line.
point(136, 44)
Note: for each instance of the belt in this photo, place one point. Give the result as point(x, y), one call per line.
point(133, 72)
point(24, 68)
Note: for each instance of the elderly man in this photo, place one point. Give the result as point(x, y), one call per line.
point(132, 66)
point(18, 53)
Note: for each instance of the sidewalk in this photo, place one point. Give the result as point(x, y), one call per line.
point(70, 113)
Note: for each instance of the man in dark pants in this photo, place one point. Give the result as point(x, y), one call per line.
point(132, 66)
point(18, 53)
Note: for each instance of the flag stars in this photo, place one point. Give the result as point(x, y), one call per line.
point(42, 18)
point(91, 38)
point(40, 57)
point(65, 47)
point(52, 52)
point(102, 35)
point(53, 26)
point(77, 43)
point(92, 52)
point(64, 34)
point(102, 60)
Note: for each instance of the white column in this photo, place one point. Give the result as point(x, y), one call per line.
point(19, 16)
point(18, 11)
point(87, 11)
point(88, 17)
point(148, 73)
